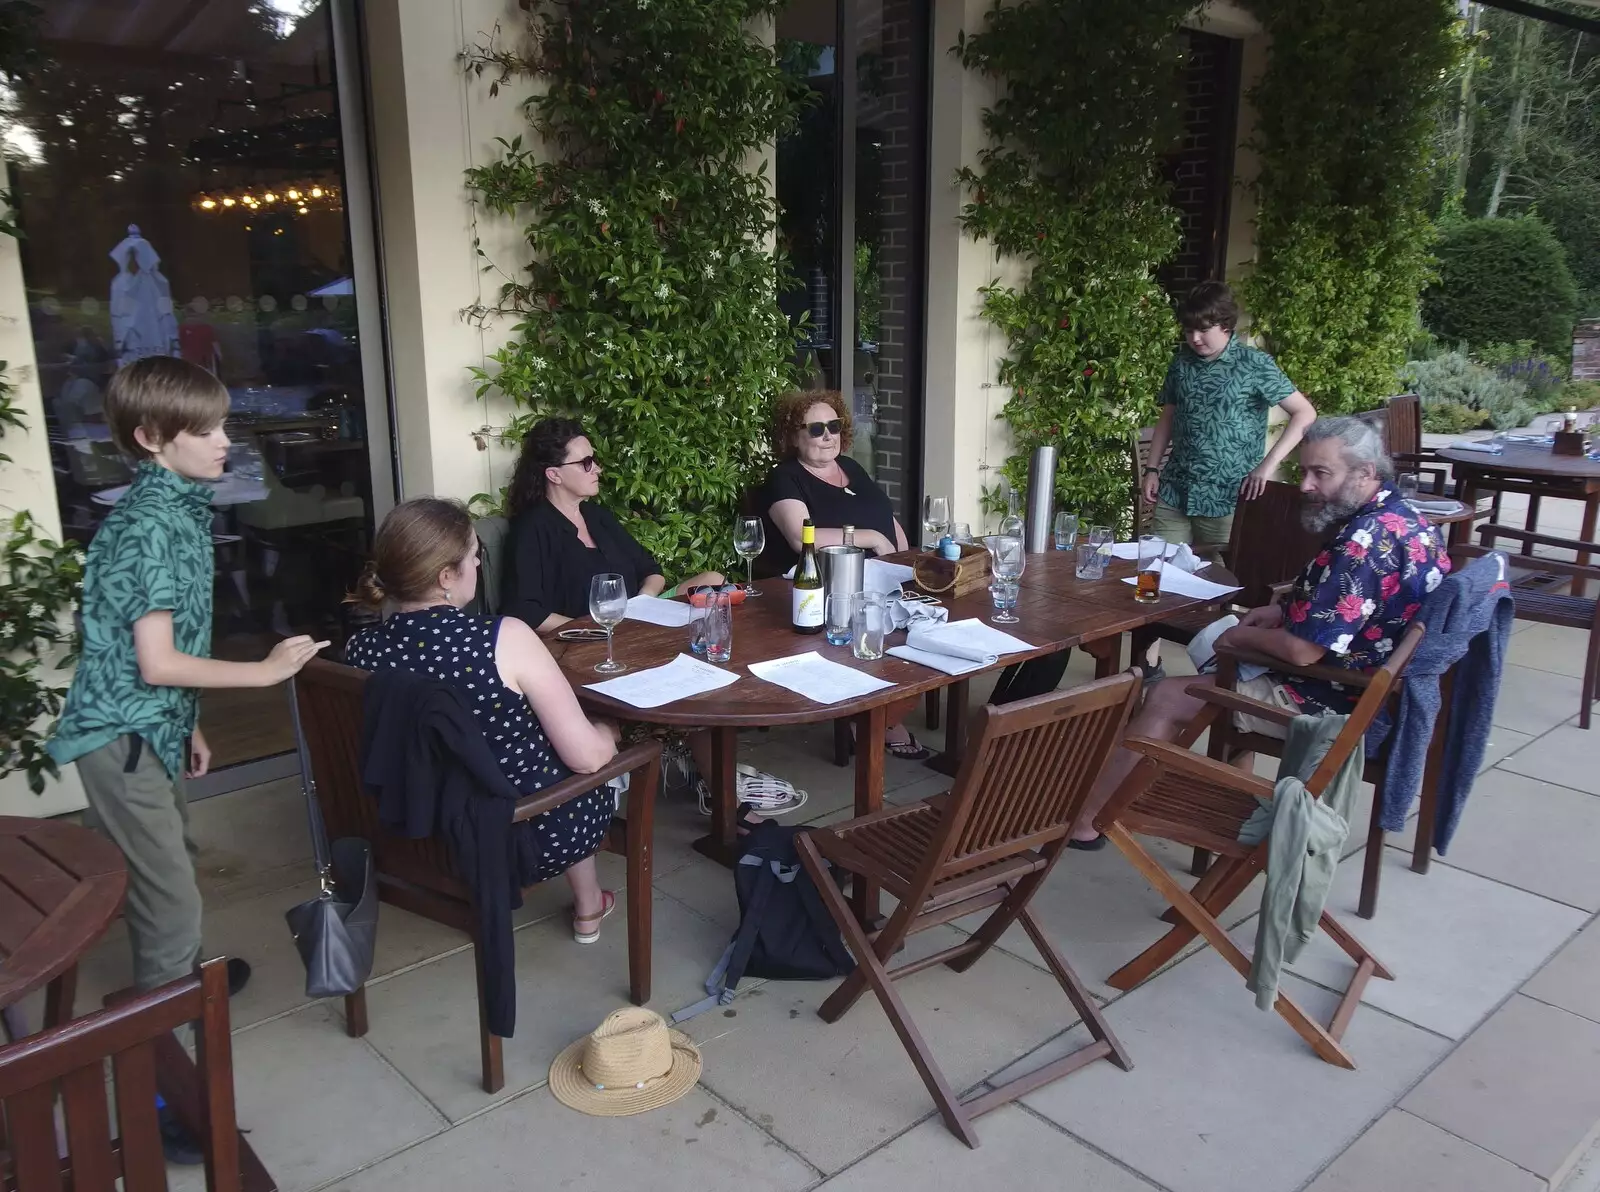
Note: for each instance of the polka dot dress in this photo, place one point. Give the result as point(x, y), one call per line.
point(446, 643)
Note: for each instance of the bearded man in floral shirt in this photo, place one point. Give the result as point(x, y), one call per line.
point(1348, 609)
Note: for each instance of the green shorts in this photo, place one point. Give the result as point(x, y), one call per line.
point(1176, 526)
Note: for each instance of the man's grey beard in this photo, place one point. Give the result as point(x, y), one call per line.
point(1318, 516)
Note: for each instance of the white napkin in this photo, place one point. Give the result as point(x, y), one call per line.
point(1185, 559)
point(1486, 448)
point(903, 614)
point(927, 639)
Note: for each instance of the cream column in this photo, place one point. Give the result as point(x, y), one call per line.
point(430, 124)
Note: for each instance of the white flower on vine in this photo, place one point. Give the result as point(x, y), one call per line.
point(537, 363)
point(599, 208)
point(709, 271)
point(36, 610)
point(594, 295)
point(663, 194)
point(662, 291)
point(715, 254)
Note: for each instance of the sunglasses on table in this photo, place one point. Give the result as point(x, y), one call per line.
point(587, 463)
point(833, 426)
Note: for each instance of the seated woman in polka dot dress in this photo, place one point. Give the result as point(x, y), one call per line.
point(424, 568)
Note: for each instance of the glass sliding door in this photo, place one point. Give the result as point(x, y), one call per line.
point(181, 185)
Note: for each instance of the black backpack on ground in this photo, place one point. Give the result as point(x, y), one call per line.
point(785, 932)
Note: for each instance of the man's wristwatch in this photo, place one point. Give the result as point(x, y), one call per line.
point(1148, 470)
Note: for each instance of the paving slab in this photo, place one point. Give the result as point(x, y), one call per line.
point(1525, 1085)
point(1402, 1151)
point(1531, 834)
point(535, 1142)
point(1534, 701)
point(832, 1092)
point(1457, 943)
point(317, 1105)
point(1223, 1096)
point(1566, 756)
point(1571, 979)
point(425, 1021)
point(1554, 648)
point(1018, 1151)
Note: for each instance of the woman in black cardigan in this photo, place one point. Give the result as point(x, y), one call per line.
point(561, 538)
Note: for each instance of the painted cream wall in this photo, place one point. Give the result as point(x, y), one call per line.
point(430, 123)
point(964, 440)
point(28, 483)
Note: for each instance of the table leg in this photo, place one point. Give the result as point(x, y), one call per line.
point(1467, 494)
point(870, 726)
point(1591, 506)
point(1531, 522)
point(58, 998)
point(955, 730)
point(722, 844)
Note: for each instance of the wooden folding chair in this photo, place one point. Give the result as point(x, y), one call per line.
point(990, 842)
point(420, 875)
point(70, 1059)
point(1173, 794)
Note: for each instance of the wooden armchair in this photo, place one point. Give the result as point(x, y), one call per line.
point(419, 875)
point(990, 842)
point(1176, 795)
point(70, 1060)
point(1403, 438)
point(1555, 608)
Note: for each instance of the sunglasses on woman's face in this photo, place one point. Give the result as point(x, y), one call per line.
point(587, 463)
point(833, 426)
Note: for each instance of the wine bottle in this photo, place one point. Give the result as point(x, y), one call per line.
point(849, 535)
point(1011, 525)
point(806, 616)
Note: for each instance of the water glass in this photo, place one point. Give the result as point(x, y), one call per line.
point(961, 531)
point(1003, 593)
point(1152, 553)
point(1406, 482)
point(840, 609)
point(1007, 561)
point(719, 627)
point(608, 604)
point(1066, 531)
point(697, 633)
point(1091, 563)
point(749, 540)
point(869, 622)
point(935, 520)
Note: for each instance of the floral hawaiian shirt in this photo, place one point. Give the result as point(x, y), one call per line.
point(1357, 596)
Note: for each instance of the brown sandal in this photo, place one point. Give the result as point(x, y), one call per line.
point(608, 901)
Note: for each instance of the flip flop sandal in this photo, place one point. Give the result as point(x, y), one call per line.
point(910, 750)
point(765, 793)
point(609, 901)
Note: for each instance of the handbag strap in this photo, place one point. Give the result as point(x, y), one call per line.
point(308, 788)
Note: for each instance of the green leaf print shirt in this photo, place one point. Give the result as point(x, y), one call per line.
point(1219, 424)
point(152, 552)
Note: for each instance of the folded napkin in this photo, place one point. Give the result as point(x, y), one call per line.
point(1490, 448)
point(923, 636)
point(1185, 559)
point(904, 614)
point(947, 663)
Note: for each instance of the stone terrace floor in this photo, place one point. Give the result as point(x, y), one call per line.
point(1479, 1066)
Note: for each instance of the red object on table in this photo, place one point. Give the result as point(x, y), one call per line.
point(61, 885)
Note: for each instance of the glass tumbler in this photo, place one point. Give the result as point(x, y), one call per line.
point(840, 608)
point(1066, 531)
point(1152, 555)
point(1091, 564)
point(719, 627)
point(869, 622)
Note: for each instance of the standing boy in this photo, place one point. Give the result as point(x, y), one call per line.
point(1214, 407)
point(130, 717)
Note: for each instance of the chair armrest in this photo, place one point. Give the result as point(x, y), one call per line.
point(1487, 534)
point(1328, 674)
point(1232, 701)
point(1170, 757)
point(1534, 563)
point(630, 761)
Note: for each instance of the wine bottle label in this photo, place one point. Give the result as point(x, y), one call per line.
point(807, 607)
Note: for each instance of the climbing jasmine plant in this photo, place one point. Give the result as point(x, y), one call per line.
point(1347, 110)
point(1070, 186)
point(649, 310)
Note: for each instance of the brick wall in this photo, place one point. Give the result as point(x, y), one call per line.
point(1586, 351)
point(1201, 166)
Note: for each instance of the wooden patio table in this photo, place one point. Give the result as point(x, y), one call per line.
point(1532, 469)
point(1056, 611)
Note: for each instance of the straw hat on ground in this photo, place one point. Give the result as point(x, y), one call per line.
point(629, 1063)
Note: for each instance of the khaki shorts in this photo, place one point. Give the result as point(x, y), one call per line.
point(1269, 689)
point(1176, 526)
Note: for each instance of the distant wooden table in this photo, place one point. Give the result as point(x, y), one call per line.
point(1531, 469)
point(1057, 611)
point(60, 888)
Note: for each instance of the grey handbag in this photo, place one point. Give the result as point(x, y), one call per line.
point(336, 931)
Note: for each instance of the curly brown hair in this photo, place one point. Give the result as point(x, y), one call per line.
point(789, 417)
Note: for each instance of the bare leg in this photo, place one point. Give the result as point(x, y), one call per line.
point(1166, 710)
point(587, 897)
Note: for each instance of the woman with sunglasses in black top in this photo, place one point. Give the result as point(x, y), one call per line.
point(561, 538)
point(814, 480)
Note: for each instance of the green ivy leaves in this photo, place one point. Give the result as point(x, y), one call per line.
point(1071, 184)
point(650, 310)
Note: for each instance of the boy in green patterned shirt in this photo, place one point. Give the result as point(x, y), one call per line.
point(130, 719)
point(1214, 407)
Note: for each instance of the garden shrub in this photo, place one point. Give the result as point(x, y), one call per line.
point(1502, 280)
point(1452, 379)
point(1451, 418)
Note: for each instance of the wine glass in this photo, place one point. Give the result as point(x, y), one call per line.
point(608, 604)
point(935, 520)
point(1009, 560)
point(749, 540)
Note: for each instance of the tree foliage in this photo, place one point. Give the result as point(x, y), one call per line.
point(649, 310)
point(1348, 109)
point(1070, 185)
point(1502, 280)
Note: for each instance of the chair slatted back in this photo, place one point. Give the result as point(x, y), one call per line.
point(1142, 509)
point(1403, 425)
point(328, 717)
point(69, 1061)
point(1025, 777)
point(1268, 545)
